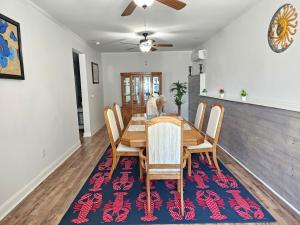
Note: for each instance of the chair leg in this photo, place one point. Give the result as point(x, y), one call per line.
point(178, 186)
point(202, 156)
point(208, 158)
point(190, 165)
point(216, 161)
point(148, 194)
point(181, 196)
point(141, 169)
point(113, 166)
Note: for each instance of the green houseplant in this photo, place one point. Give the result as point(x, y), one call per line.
point(244, 95)
point(179, 89)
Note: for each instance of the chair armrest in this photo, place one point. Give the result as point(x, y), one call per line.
point(143, 158)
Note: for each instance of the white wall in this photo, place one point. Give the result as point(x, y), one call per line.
point(40, 112)
point(239, 57)
point(173, 65)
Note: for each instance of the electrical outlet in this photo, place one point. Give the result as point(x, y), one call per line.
point(44, 153)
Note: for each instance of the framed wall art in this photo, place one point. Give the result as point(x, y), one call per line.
point(11, 61)
point(95, 73)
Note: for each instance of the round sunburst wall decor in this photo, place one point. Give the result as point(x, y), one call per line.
point(283, 28)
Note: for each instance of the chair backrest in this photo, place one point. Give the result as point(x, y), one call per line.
point(215, 123)
point(164, 143)
point(200, 115)
point(151, 106)
point(118, 115)
point(112, 128)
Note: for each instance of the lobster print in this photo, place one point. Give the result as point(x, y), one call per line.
point(200, 178)
point(97, 180)
point(174, 207)
point(128, 163)
point(246, 208)
point(124, 182)
point(105, 165)
point(87, 203)
point(141, 204)
point(212, 201)
point(224, 181)
point(116, 211)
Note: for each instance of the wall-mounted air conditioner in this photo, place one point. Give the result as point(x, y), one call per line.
point(199, 55)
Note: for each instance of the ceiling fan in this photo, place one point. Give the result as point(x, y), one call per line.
point(175, 4)
point(148, 45)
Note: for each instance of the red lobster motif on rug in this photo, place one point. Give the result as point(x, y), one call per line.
point(124, 182)
point(246, 208)
point(200, 178)
point(174, 207)
point(117, 211)
point(97, 180)
point(141, 204)
point(224, 181)
point(212, 201)
point(87, 203)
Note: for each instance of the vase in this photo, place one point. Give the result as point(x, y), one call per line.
point(222, 95)
point(244, 98)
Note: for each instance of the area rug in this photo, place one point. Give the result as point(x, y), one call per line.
point(209, 197)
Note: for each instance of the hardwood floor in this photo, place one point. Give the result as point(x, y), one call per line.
point(51, 199)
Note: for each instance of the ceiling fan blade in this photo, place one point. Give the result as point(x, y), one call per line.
point(163, 45)
point(175, 4)
point(130, 8)
point(153, 49)
point(126, 43)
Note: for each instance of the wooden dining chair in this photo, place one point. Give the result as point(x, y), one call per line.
point(211, 138)
point(118, 115)
point(118, 148)
point(200, 116)
point(164, 159)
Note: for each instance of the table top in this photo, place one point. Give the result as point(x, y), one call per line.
point(138, 138)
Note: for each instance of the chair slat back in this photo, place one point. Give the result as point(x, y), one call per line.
point(164, 142)
point(215, 122)
point(111, 125)
point(200, 116)
point(119, 117)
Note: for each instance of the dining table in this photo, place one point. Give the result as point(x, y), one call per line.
point(135, 132)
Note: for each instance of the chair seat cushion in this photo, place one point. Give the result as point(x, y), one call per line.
point(164, 171)
point(125, 148)
point(205, 144)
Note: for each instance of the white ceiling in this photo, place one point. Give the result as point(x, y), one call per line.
point(100, 20)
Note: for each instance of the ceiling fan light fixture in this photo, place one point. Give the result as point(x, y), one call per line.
point(143, 3)
point(145, 46)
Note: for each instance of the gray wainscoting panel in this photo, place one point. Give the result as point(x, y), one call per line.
point(266, 140)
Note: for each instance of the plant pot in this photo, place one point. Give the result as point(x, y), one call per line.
point(222, 95)
point(244, 98)
point(204, 93)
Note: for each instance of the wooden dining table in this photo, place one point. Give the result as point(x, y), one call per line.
point(135, 133)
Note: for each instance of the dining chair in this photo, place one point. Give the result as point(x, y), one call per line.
point(200, 116)
point(118, 148)
point(211, 138)
point(164, 159)
point(151, 107)
point(118, 115)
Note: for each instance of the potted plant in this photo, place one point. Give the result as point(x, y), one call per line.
point(204, 92)
point(222, 93)
point(179, 89)
point(244, 95)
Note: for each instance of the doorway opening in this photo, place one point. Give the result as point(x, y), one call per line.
point(77, 78)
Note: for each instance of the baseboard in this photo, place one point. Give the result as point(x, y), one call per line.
point(12, 202)
point(265, 184)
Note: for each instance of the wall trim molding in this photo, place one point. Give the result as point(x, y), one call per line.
point(283, 105)
point(260, 180)
point(20, 195)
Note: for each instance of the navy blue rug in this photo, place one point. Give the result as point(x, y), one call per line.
point(209, 198)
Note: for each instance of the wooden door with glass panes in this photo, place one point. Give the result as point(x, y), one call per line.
point(136, 88)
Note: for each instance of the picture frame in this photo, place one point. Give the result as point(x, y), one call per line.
point(11, 58)
point(95, 73)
